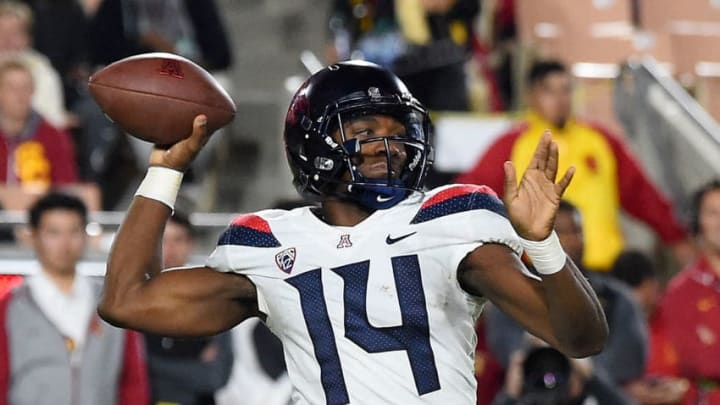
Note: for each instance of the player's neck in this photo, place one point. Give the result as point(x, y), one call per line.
point(343, 213)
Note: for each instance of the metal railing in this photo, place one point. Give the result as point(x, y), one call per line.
point(20, 259)
point(676, 139)
point(115, 218)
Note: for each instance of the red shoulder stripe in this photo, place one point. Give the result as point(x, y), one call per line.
point(456, 191)
point(253, 222)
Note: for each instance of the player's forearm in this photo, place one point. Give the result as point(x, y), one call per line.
point(575, 314)
point(134, 256)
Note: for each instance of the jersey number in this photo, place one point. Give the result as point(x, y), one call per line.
point(413, 335)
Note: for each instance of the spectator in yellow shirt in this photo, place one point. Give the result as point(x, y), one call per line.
point(607, 178)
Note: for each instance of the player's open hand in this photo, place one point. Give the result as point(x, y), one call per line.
point(180, 155)
point(533, 203)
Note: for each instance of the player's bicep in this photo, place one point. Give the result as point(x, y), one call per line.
point(195, 301)
point(495, 272)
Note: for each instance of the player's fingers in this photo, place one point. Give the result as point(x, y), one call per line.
point(539, 159)
point(565, 181)
point(510, 181)
point(200, 131)
point(199, 136)
point(552, 162)
point(179, 155)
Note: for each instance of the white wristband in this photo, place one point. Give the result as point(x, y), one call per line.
point(547, 255)
point(161, 184)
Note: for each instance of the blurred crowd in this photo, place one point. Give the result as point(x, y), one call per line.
point(53, 133)
point(60, 158)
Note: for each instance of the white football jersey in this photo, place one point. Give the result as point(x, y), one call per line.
point(374, 313)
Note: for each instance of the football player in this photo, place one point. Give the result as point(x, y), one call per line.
point(375, 293)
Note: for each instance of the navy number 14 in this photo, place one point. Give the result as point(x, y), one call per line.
point(412, 336)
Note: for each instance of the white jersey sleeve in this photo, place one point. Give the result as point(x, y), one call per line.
point(244, 247)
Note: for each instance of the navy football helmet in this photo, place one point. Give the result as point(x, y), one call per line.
point(333, 96)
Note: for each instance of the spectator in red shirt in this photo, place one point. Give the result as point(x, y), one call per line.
point(691, 305)
point(661, 383)
point(33, 153)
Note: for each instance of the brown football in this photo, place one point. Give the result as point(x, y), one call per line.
point(156, 96)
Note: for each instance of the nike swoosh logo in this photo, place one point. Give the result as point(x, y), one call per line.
point(382, 199)
point(390, 240)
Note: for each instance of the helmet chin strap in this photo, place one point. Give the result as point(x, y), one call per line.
point(377, 194)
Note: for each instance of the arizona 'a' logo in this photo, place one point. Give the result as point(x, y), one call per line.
point(172, 68)
point(285, 260)
point(344, 242)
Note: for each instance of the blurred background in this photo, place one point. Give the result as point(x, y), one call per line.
point(630, 87)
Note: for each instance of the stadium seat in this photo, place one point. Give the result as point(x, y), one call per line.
point(597, 31)
point(658, 15)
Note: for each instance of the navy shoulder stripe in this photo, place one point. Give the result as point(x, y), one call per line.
point(459, 199)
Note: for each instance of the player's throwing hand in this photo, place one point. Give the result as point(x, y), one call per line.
point(533, 203)
point(180, 155)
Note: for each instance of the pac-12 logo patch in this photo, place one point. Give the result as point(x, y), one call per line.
point(285, 260)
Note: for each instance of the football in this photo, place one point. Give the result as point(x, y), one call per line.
point(156, 96)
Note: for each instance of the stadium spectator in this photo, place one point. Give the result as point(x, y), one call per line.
point(16, 22)
point(625, 353)
point(190, 371)
point(425, 42)
point(608, 178)
point(33, 153)
point(544, 376)
point(691, 305)
point(54, 349)
point(660, 384)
